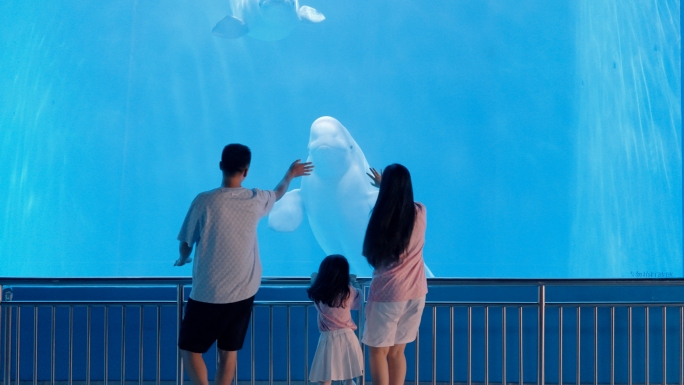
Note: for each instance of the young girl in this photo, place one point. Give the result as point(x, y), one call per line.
point(394, 247)
point(338, 355)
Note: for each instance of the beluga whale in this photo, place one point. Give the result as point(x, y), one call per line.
point(265, 19)
point(337, 197)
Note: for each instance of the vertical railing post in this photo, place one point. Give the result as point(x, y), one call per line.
point(681, 346)
point(629, 345)
point(306, 342)
point(596, 345)
point(53, 344)
point(180, 297)
point(287, 348)
point(470, 346)
point(612, 345)
point(270, 345)
point(521, 378)
point(8, 351)
point(4, 327)
point(417, 382)
point(503, 345)
point(105, 343)
point(123, 346)
point(89, 317)
point(252, 351)
point(3, 324)
point(141, 345)
point(362, 312)
point(560, 345)
point(542, 333)
point(578, 353)
point(664, 359)
point(451, 345)
point(158, 372)
point(17, 348)
point(35, 345)
point(647, 350)
point(486, 345)
point(434, 345)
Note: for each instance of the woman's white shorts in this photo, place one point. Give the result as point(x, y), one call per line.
point(392, 323)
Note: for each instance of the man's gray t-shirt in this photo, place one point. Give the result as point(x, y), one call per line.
point(223, 222)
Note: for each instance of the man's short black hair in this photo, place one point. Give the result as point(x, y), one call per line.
point(235, 158)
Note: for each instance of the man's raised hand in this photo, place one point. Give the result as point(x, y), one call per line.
point(298, 169)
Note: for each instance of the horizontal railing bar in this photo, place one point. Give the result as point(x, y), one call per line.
point(616, 304)
point(555, 281)
point(289, 281)
point(479, 303)
point(136, 303)
point(427, 303)
point(123, 281)
point(309, 303)
point(87, 303)
point(141, 281)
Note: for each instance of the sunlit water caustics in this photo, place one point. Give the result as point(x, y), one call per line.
point(543, 137)
point(628, 215)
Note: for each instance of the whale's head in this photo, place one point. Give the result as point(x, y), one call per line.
point(277, 8)
point(331, 148)
point(270, 19)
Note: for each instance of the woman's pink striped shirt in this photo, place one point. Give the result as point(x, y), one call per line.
point(404, 279)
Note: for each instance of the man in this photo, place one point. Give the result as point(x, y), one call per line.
point(227, 271)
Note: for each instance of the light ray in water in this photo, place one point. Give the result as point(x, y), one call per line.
point(627, 220)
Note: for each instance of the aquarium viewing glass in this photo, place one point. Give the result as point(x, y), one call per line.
point(544, 137)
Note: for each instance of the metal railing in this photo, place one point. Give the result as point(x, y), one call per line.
point(478, 332)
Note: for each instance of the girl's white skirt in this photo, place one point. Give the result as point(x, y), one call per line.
point(338, 357)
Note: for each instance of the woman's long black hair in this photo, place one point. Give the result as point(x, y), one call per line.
point(391, 222)
point(331, 286)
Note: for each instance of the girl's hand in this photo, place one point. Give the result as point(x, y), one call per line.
point(354, 282)
point(375, 176)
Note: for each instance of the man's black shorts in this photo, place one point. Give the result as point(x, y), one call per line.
point(204, 323)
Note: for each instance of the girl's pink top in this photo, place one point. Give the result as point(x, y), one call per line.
point(335, 318)
point(405, 279)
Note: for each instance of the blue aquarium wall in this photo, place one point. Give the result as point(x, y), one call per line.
point(543, 137)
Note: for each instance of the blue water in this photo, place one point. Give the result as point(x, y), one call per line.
point(543, 137)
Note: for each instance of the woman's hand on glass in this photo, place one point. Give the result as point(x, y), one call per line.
point(376, 177)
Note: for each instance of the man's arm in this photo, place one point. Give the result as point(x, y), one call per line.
point(185, 251)
point(296, 170)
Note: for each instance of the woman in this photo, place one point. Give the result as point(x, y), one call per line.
point(394, 247)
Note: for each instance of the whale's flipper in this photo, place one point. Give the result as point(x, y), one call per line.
point(428, 272)
point(287, 213)
point(230, 28)
point(309, 14)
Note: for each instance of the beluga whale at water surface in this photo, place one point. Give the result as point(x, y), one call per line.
point(337, 197)
point(265, 19)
